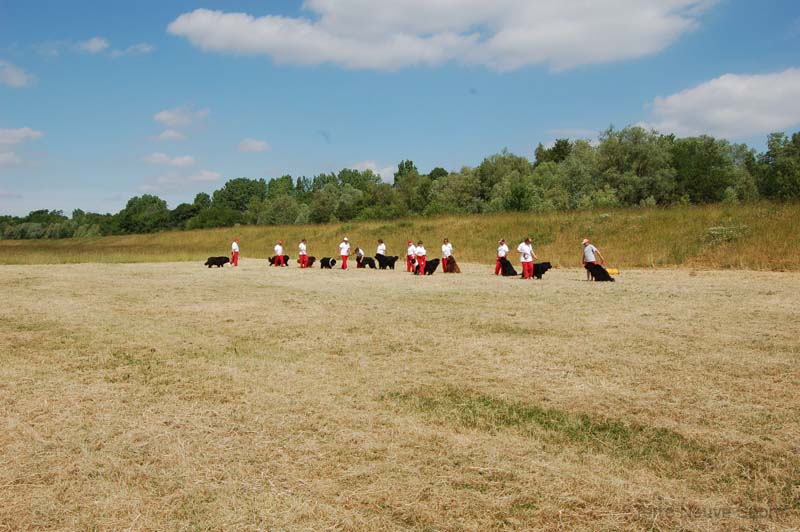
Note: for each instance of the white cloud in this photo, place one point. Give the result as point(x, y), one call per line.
point(500, 34)
point(95, 45)
point(179, 117)
point(17, 136)
point(140, 49)
point(160, 158)
point(171, 134)
point(731, 106)
point(386, 173)
point(175, 180)
point(12, 137)
point(254, 145)
point(8, 158)
point(14, 76)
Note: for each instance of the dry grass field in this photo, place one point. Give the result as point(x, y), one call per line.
point(167, 396)
point(758, 236)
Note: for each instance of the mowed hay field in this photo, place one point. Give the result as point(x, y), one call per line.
point(167, 396)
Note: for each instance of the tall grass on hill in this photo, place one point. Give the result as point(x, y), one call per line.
point(761, 236)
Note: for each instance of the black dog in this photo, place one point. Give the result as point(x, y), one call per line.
point(275, 257)
point(599, 273)
point(327, 263)
point(386, 262)
point(311, 261)
point(541, 268)
point(430, 267)
point(365, 262)
point(219, 262)
point(506, 268)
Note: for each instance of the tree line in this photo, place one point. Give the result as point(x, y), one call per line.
point(626, 167)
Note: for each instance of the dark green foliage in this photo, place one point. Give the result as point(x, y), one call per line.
point(237, 193)
point(627, 167)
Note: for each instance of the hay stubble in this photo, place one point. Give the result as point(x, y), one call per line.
point(169, 396)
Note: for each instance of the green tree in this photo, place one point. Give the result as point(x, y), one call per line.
point(237, 193)
point(555, 154)
point(778, 171)
point(143, 214)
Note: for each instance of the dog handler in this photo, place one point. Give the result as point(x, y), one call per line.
point(235, 252)
point(502, 252)
point(447, 252)
point(420, 253)
point(526, 256)
point(381, 248)
point(279, 253)
point(344, 251)
point(589, 252)
point(410, 254)
point(302, 254)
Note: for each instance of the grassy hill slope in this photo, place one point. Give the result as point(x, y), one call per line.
point(761, 236)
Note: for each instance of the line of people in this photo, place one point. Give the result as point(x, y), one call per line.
point(417, 255)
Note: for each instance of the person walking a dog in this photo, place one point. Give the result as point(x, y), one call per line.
point(381, 248)
point(302, 254)
point(411, 254)
point(420, 252)
point(235, 252)
point(590, 254)
point(526, 256)
point(279, 253)
point(502, 252)
point(344, 251)
point(447, 252)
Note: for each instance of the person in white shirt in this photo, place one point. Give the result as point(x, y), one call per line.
point(502, 253)
point(447, 252)
point(302, 254)
point(279, 254)
point(381, 248)
point(526, 256)
point(344, 251)
point(589, 252)
point(420, 254)
point(411, 253)
point(235, 252)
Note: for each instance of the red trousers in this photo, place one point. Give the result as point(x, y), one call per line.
point(234, 258)
point(279, 260)
point(344, 262)
point(527, 270)
point(497, 267)
point(303, 260)
point(421, 264)
point(444, 264)
point(409, 264)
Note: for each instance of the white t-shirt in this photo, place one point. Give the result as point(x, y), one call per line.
point(447, 250)
point(344, 249)
point(381, 249)
point(525, 252)
point(235, 246)
point(359, 252)
point(278, 249)
point(502, 250)
point(411, 250)
point(302, 248)
point(588, 253)
point(420, 251)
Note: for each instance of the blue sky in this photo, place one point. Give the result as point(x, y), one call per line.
point(101, 101)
